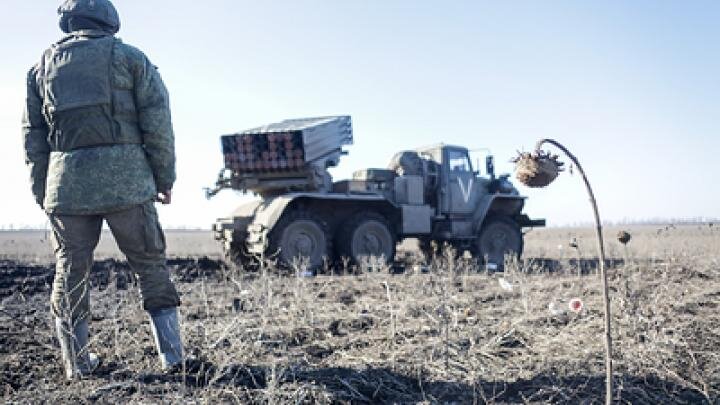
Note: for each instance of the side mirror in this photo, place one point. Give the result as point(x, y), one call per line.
point(490, 166)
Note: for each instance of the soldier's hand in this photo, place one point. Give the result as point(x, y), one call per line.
point(165, 197)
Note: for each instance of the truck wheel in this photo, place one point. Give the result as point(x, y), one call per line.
point(366, 234)
point(300, 235)
point(426, 248)
point(499, 236)
point(236, 252)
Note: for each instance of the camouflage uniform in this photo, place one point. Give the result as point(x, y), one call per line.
point(100, 146)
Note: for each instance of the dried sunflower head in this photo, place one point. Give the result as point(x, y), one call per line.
point(537, 169)
point(623, 237)
point(573, 243)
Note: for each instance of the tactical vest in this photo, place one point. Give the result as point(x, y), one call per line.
point(98, 162)
point(79, 101)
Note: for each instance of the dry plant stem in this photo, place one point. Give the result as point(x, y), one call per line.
point(393, 326)
point(15, 318)
point(601, 251)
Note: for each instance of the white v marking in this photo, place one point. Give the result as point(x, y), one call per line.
point(466, 192)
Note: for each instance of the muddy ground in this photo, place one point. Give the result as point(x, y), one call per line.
point(447, 331)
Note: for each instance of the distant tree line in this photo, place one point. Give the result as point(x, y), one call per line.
point(666, 221)
point(657, 221)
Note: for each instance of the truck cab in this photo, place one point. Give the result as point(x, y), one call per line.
point(460, 188)
point(466, 205)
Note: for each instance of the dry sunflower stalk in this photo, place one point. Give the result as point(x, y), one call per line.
point(537, 169)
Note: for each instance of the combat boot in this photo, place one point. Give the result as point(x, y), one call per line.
point(77, 360)
point(166, 330)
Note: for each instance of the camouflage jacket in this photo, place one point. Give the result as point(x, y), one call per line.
point(97, 130)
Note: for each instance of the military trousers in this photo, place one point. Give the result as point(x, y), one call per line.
point(139, 236)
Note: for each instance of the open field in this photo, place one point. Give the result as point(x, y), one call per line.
point(447, 331)
point(34, 246)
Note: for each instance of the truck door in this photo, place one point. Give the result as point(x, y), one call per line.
point(461, 188)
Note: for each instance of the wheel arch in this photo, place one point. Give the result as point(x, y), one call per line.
point(239, 219)
point(498, 205)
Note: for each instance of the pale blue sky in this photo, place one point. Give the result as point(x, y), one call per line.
point(632, 88)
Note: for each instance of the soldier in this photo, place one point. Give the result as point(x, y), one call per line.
point(100, 147)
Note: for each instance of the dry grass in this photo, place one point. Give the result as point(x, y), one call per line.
point(449, 333)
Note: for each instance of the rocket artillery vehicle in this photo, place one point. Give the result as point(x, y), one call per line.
point(432, 194)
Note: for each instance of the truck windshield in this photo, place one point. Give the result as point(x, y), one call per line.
point(458, 161)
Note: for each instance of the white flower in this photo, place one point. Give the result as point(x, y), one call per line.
point(576, 305)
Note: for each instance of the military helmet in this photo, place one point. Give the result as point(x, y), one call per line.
point(99, 11)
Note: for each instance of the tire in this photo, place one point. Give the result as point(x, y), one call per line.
point(300, 234)
point(366, 234)
point(498, 237)
point(426, 248)
point(236, 253)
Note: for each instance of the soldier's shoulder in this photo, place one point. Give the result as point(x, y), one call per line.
point(44, 55)
point(128, 51)
point(35, 69)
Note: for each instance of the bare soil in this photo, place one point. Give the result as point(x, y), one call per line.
point(443, 330)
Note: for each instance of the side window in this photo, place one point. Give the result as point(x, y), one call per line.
point(458, 162)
